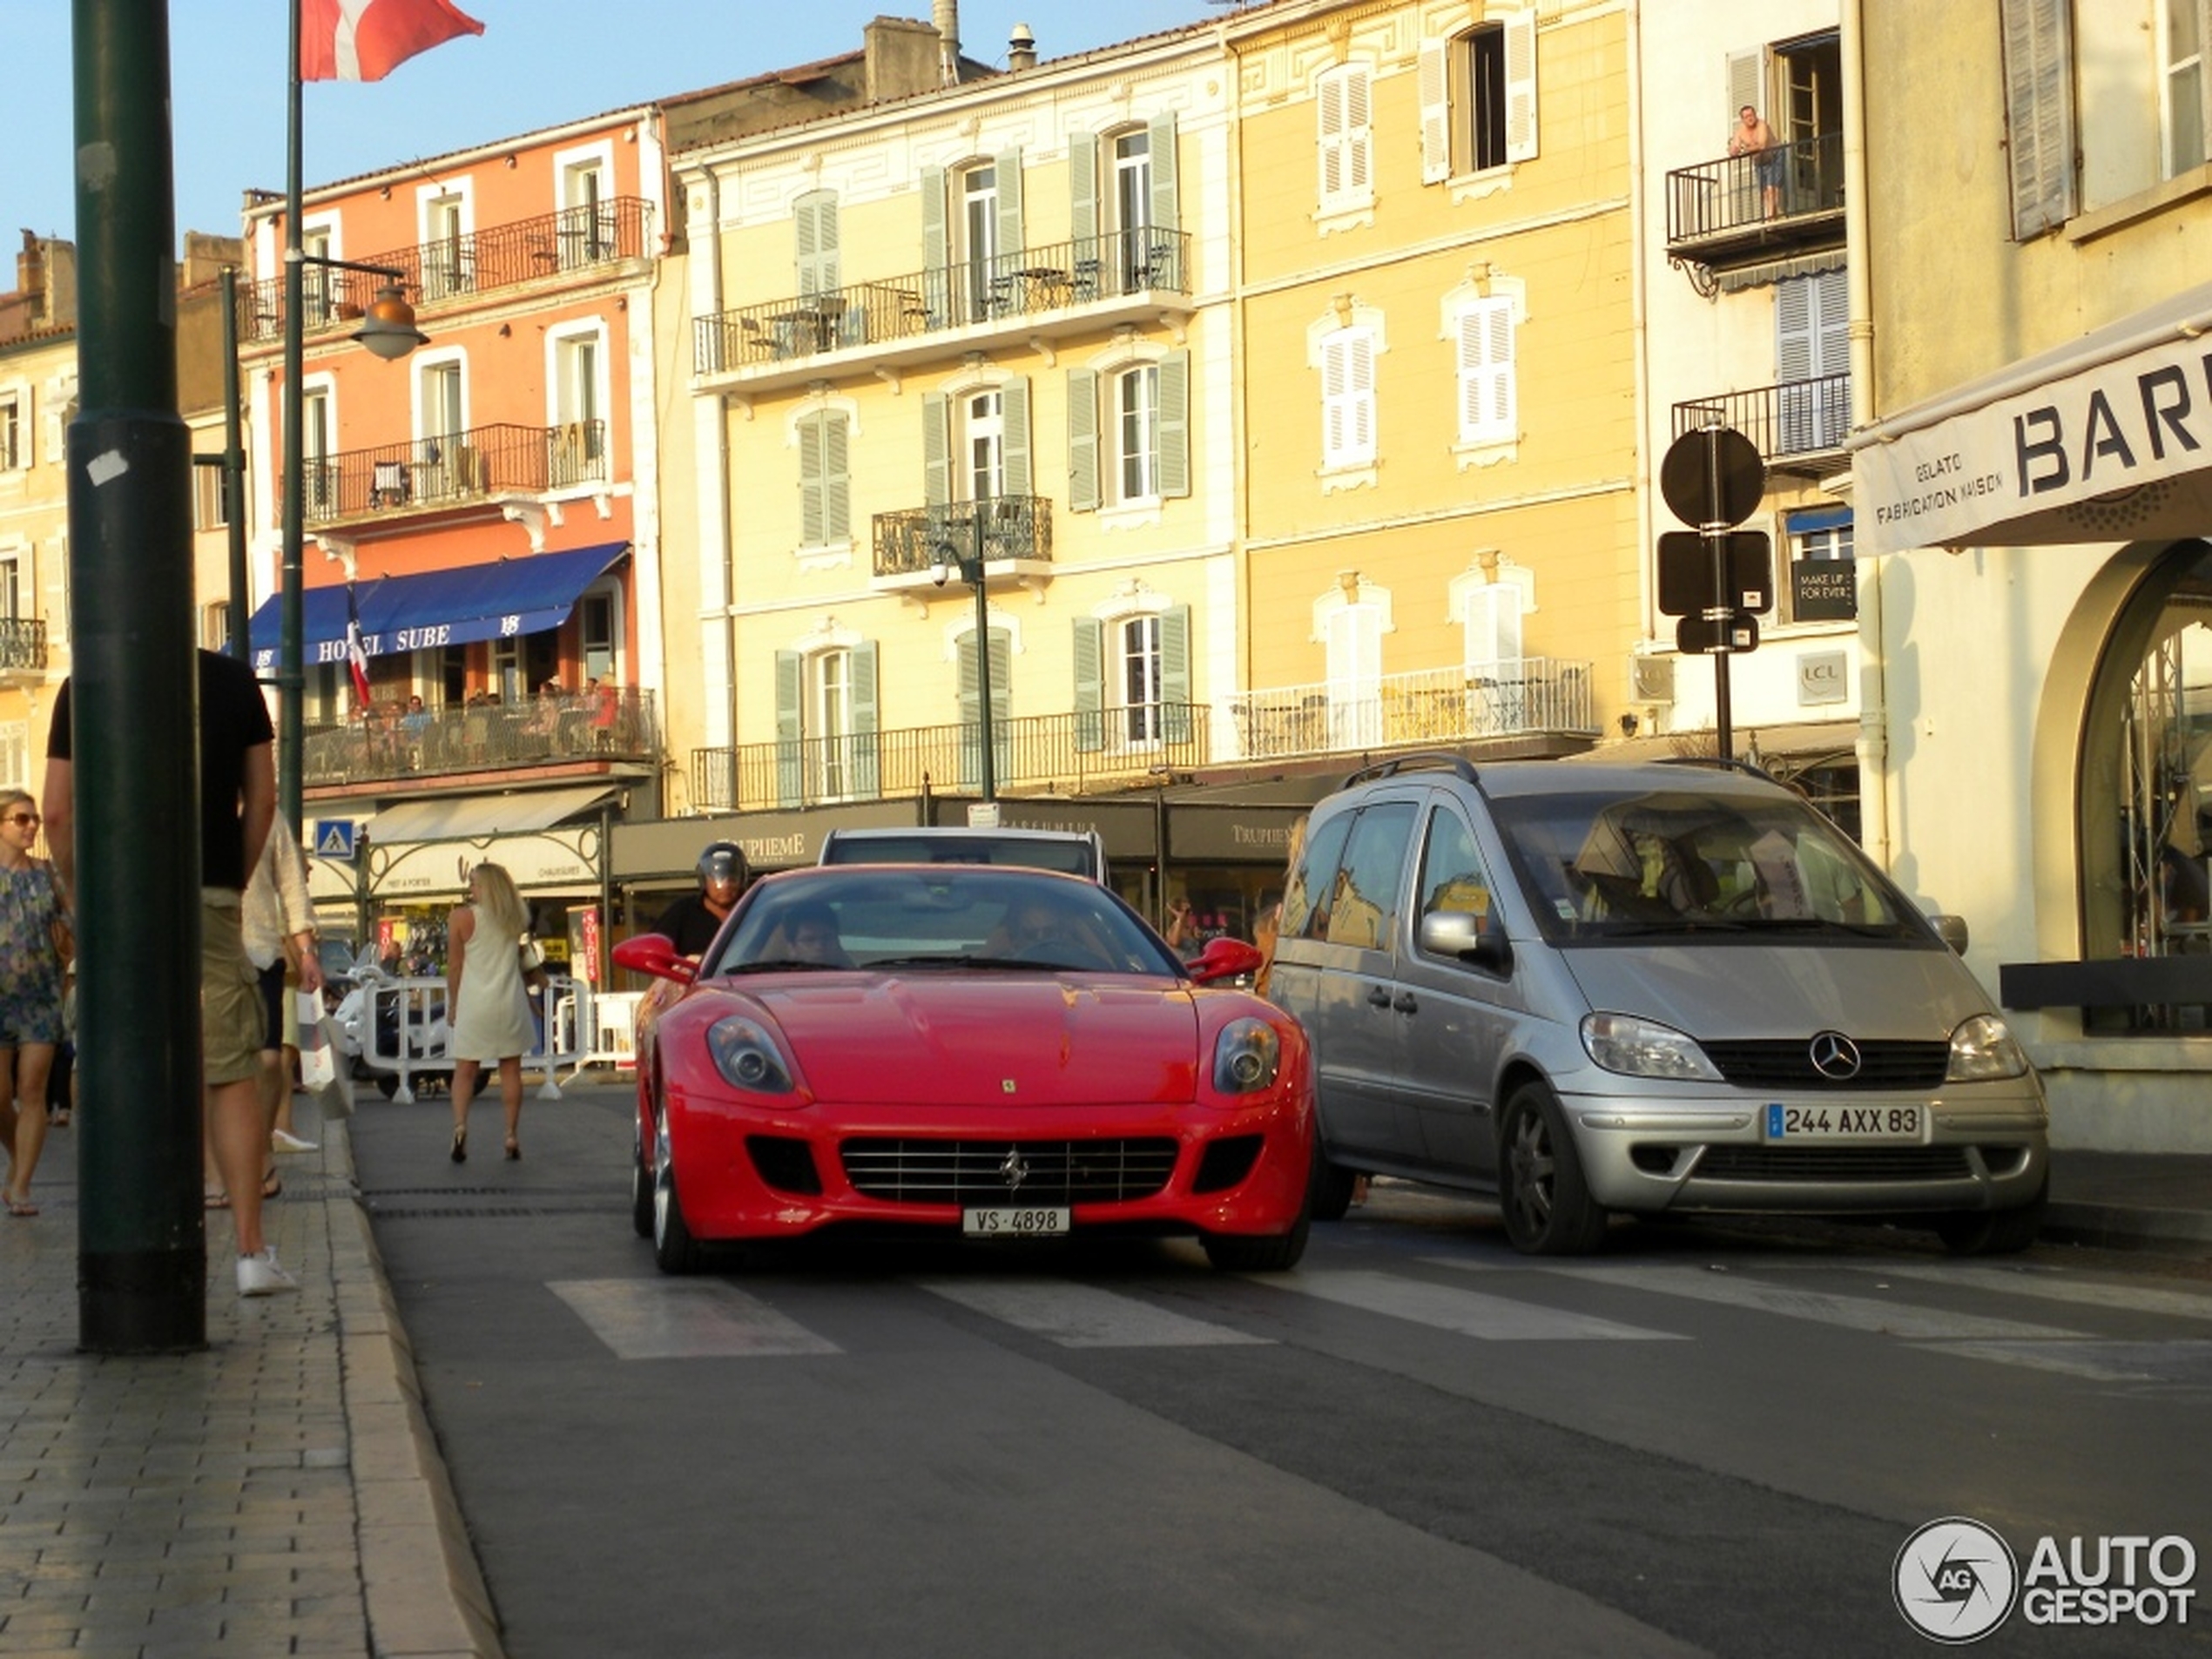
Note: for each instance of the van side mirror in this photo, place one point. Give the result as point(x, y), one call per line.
point(1951, 930)
point(1478, 940)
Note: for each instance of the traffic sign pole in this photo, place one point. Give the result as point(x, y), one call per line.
point(1715, 532)
point(1713, 478)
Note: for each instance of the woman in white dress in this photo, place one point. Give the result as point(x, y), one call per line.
point(490, 1025)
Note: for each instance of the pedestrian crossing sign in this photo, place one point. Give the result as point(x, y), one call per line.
point(334, 839)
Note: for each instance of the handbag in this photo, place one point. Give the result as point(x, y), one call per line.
point(323, 1072)
point(533, 962)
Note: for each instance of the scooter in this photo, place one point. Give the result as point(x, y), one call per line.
point(367, 1019)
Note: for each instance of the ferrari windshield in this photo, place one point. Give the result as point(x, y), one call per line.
point(978, 917)
point(1602, 866)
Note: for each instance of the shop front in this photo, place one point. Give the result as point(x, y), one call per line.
point(2042, 637)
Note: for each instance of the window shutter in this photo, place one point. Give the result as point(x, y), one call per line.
point(1166, 192)
point(1521, 87)
point(1793, 330)
point(1014, 437)
point(1175, 673)
point(1329, 99)
point(1082, 440)
point(814, 218)
point(1083, 193)
point(867, 768)
point(1494, 630)
point(1746, 84)
point(1358, 179)
point(936, 246)
point(1008, 170)
point(1831, 324)
point(813, 515)
point(1091, 685)
point(1435, 79)
point(1001, 649)
point(2039, 114)
point(1175, 424)
point(837, 480)
point(936, 450)
point(1489, 404)
point(789, 776)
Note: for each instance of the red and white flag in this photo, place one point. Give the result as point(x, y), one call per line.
point(356, 652)
point(366, 40)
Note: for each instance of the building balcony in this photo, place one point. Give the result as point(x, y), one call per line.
point(1797, 427)
point(389, 747)
point(1720, 215)
point(23, 645)
point(438, 474)
point(1065, 287)
point(1013, 534)
point(1061, 753)
point(591, 240)
point(1518, 697)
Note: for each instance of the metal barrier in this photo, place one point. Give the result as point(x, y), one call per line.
point(419, 1006)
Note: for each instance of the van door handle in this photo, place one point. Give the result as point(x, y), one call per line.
point(1405, 1003)
point(1378, 996)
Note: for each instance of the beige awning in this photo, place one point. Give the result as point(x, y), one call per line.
point(472, 817)
point(2107, 438)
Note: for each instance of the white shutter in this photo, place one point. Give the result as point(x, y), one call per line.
point(1083, 193)
point(1174, 410)
point(1793, 329)
point(1521, 87)
point(1330, 99)
point(1494, 630)
point(1830, 324)
point(1357, 135)
point(2039, 113)
point(1746, 84)
point(1347, 397)
point(1436, 110)
point(1489, 407)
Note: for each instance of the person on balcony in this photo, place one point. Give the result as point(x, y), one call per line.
point(1755, 138)
point(606, 714)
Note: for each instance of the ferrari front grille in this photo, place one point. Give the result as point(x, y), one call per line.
point(918, 1170)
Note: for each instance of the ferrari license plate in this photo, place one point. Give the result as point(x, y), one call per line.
point(1845, 1122)
point(1015, 1221)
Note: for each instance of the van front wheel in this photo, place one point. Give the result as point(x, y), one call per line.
point(1548, 1210)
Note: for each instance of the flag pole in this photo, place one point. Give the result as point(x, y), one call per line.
point(291, 680)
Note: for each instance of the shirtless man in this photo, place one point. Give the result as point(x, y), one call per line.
point(1753, 136)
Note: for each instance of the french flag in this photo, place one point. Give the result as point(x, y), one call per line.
point(356, 652)
point(366, 40)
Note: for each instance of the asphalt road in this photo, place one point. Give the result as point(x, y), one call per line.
point(1706, 1440)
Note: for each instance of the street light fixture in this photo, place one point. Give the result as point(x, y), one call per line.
point(951, 561)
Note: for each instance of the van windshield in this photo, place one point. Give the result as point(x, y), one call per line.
point(1595, 867)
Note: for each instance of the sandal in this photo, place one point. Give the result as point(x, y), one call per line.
point(514, 1148)
point(22, 1207)
point(271, 1185)
point(460, 1143)
point(214, 1198)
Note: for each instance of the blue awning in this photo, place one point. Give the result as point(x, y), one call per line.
point(508, 598)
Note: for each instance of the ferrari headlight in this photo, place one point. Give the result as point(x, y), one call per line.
point(1982, 1047)
point(747, 1056)
point(1638, 1047)
point(1245, 1057)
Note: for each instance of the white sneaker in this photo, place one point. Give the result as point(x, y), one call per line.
point(259, 1275)
point(284, 1141)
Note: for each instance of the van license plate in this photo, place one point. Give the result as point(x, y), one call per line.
point(1015, 1221)
point(1844, 1122)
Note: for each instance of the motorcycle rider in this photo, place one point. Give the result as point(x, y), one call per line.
point(694, 919)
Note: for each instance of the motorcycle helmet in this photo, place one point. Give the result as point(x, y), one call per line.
point(722, 862)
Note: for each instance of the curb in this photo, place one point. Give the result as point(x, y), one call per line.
point(423, 1593)
point(2112, 1226)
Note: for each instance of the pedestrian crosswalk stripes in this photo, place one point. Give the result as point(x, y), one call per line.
point(1081, 1315)
point(668, 1318)
point(1471, 1314)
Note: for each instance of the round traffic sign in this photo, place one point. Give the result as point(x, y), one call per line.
point(1712, 476)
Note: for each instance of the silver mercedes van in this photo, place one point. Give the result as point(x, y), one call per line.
point(1595, 989)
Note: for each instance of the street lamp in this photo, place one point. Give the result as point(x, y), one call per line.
point(951, 561)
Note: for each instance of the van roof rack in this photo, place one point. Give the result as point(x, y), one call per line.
point(1425, 760)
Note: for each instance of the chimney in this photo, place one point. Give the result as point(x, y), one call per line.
point(30, 274)
point(1022, 48)
point(945, 14)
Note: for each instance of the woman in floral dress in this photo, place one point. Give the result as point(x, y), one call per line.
point(30, 993)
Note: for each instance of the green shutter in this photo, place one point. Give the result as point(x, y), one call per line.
point(1166, 207)
point(1002, 649)
point(1174, 673)
point(867, 772)
point(790, 778)
point(814, 218)
point(1082, 440)
point(1083, 196)
point(837, 480)
point(1006, 170)
point(936, 247)
point(936, 450)
point(1175, 424)
point(811, 514)
point(1090, 685)
point(1014, 409)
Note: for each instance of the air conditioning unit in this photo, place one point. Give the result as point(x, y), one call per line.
point(1651, 680)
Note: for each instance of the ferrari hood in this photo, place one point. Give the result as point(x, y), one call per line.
point(1031, 1039)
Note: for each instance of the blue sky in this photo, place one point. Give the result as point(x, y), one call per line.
point(537, 62)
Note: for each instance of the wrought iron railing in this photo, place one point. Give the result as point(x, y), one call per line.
point(1140, 260)
point(1070, 751)
point(1794, 418)
point(23, 642)
point(576, 239)
point(1508, 699)
point(390, 743)
point(916, 540)
point(458, 467)
point(1734, 193)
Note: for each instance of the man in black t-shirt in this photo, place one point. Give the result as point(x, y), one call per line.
point(237, 804)
point(694, 919)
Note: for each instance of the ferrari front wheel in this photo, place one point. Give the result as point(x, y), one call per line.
point(674, 1248)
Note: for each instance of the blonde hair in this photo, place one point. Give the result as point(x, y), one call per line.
point(497, 898)
point(10, 796)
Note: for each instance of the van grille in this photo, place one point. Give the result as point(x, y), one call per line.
point(1833, 1163)
point(1787, 1064)
point(931, 1171)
